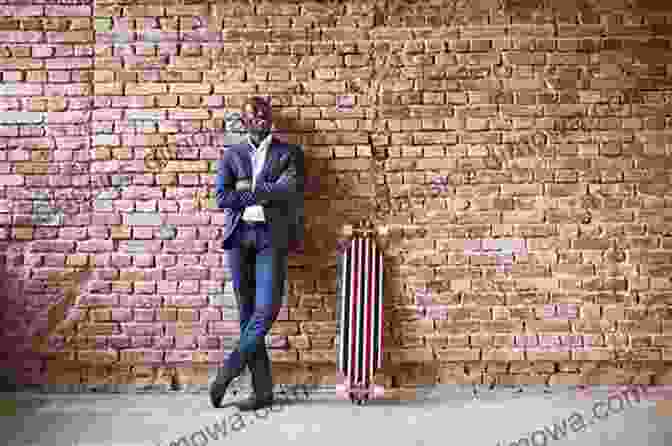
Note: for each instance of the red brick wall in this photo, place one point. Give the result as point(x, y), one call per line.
point(548, 125)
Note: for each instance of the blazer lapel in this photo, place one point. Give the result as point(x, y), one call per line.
point(271, 154)
point(246, 162)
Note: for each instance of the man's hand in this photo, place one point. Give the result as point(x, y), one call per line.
point(243, 185)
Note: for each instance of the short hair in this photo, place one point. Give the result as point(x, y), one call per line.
point(259, 103)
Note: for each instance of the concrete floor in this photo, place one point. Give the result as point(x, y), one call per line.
point(443, 415)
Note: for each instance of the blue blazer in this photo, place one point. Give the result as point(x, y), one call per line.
point(279, 190)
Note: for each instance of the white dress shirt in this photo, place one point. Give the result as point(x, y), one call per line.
point(256, 213)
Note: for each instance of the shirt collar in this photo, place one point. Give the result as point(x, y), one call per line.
point(263, 145)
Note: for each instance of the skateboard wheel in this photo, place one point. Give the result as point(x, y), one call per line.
point(378, 391)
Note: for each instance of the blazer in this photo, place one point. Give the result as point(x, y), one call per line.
point(279, 189)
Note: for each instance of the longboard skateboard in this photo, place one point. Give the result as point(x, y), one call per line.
point(360, 290)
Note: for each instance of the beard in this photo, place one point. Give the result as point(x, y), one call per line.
point(259, 133)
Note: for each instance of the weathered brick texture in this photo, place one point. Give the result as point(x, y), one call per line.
point(460, 124)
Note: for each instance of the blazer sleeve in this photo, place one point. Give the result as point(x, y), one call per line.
point(225, 192)
point(290, 184)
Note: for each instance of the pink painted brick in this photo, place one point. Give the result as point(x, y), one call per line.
point(549, 311)
point(54, 260)
point(12, 76)
point(217, 219)
point(120, 260)
point(140, 192)
point(144, 287)
point(186, 273)
point(179, 356)
point(100, 343)
point(21, 11)
point(186, 301)
point(65, 90)
point(277, 342)
point(59, 76)
point(472, 247)
point(137, 140)
point(166, 287)
point(186, 342)
point(547, 340)
point(55, 343)
point(141, 329)
point(283, 314)
point(98, 300)
point(67, 117)
point(164, 341)
point(109, 114)
point(225, 328)
point(185, 246)
point(186, 233)
point(216, 356)
point(567, 311)
point(69, 63)
point(26, 89)
point(62, 51)
point(211, 314)
point(68, 11)
point(52, 246)
point(80, 77)
point(143, 342)
point(20, 36)
point(144, 314)
point(7, 130)
point(122, 314)
point(208, 342)
point(119, 341)
point(95, 246)
point(82, 51)
point(109, 219)
point(168, 48)
point(187, 286)
point(11, 180)
point(79, 104)
point(99, 286)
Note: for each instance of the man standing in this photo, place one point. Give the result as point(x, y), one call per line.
point(258, 185)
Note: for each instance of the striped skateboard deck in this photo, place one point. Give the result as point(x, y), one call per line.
point(360, 290)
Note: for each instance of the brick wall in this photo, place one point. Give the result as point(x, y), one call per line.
point(457, 123)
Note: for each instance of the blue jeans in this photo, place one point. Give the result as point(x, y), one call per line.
point(259, 274)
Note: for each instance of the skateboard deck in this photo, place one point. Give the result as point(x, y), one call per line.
point(360, 290)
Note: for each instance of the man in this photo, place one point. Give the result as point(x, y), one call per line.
point(259, 184)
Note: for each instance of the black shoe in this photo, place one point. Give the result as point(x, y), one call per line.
point(255, 403)
point(225, 377)
point(218, 388)
point(262, 380)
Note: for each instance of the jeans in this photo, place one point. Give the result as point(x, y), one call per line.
point(259, 274)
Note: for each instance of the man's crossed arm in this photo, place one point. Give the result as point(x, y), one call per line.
point(233, 193)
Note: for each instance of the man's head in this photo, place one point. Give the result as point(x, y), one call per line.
point(257, 117)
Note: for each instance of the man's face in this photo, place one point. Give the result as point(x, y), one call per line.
point(256, 120)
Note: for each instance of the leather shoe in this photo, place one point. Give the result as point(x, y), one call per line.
point(218, 388)
point(255, 403)
point(225, 376)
